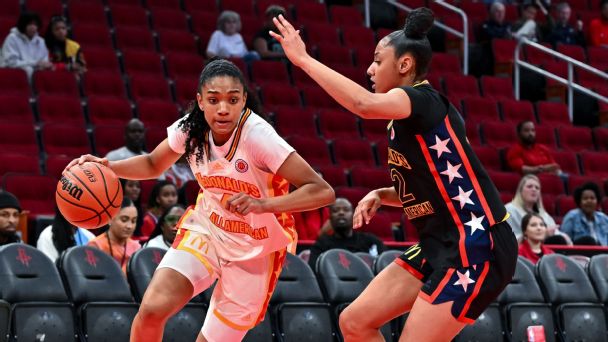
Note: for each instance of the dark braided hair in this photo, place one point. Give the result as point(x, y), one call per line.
point(194, 123)
point(413, 39)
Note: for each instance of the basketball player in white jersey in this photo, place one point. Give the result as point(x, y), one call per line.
point(240, 228)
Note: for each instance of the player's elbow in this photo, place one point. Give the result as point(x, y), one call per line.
point(327, 195)
point(365, 105)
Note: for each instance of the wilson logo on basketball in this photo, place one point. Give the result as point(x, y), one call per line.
point(89, 175)
point(70, 188)
point(241, 165)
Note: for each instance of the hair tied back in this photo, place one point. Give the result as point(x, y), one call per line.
point(418, 23)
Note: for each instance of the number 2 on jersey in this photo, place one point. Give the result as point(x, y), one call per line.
point(404, 196)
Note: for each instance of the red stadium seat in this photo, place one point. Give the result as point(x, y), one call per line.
point(92, 36)
point(87, 12)
point(185, 90)
point(445, 63)
point(104, 84)
point(334, 175)
point(164, 4)
point(262, 5)
point(476, 11)
point(65, 140)
point(201, 5)
point(269, 71)
point(154, 136)
point(316, 97)
point(351, 152)
point(600, 136)
point(36, 193)
point(564, 204)
point(575, 138)
point(364, 56)
point(358, 36)
point(338, 124)
point(239, 6)
point(551, 184)
point(172, 41)
point(109, 110)
point(536, 56)
point(56, 83)
point(334, 55)
point(503, 50)
point(479, 109)
point(11, 9)
point(574, 51)
point(18, 163)
point(46, 9)
point(546, 135)
point(505, 181)
point(594, 164)
point(128, 15)
point(497, 87)
point(321, 33)
point(358, 75)
point(18, 138)
point(370, 177)
point(549, 203)
point(314, 150)
point(597, 55)
point(374, 130)
point(301, 78)
point(576, 181)
point(309, 12)
point(134, 38)
point(57, 108)
point(280, 95)
point(515, 111)
point(203, 24)
point(498, 134)
point(382, 152)
point(155, 113)
point(346, 16)
point(352, 194)
point(150, 87)
point(380, 225)
point(552, 113)
point(461, 85)
point(13, 82)
point(16, 108)
point(55, 165)
point(295, 121)
point(102, 60)
point(108, 138)
point(473, 133)
point(166, 18)
point(567, 161)
point(489, 157)
point(187, 65)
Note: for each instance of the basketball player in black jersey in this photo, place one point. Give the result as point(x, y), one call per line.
point(467, 252)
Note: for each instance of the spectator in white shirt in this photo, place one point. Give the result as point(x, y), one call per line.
point(60, 236)
point(166, 228)
point(134, 142)
point(226, 41)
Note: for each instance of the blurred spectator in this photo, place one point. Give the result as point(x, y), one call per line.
point(134, 142)
point(586, 221)
point(24, 48)
point(598, 29)
point(132, 190)
point(60, 236)
point(528, 156)
point(64, 53)
point(179, 173)
point(559, 29)
point(495, 26)
point(265, 45)
point(534, 231)
point(116, 241)
point(527, 26)
point(341, 219)
point(528, 200)
point(226, 41)
point(308, 223)
point(162, 197)
point(9, 218)
point(166, 228)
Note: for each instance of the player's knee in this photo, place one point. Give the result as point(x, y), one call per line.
point(349, 324)
point(154, 311)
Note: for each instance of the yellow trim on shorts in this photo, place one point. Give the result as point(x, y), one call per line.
point(230, 323)
point(194, 252)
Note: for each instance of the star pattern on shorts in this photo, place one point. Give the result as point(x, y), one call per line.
point(475, 223)
point(464, 280)
point(463, 197)
point(452, 171)
point(441, 146)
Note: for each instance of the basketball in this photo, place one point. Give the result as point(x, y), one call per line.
point(89, 195)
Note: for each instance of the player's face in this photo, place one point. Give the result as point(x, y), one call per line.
point(536, 230)
point(132, 189)
point(9, 218)
point(170, 223)
point(531, 191)
point(588, 202)
point(222, 99)
point(384, 71)
point(123, 225)
point(167, 196)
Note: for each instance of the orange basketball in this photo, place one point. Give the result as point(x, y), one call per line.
point(89, 195)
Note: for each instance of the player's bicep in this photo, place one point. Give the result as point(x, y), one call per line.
point(163, 156)
point(393, 105)
point(297, 171)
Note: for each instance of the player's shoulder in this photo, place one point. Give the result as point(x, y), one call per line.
point(255, 126)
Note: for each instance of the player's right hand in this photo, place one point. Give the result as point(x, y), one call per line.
point(366, 209)
point(86, 158)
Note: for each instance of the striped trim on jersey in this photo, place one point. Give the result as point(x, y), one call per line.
point(237, 135)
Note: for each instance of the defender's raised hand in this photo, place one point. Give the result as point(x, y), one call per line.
point(290, 40)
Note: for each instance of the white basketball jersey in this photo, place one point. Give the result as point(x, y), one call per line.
point(246, 163)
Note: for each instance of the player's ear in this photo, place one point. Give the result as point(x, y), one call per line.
point(199, 101)
point(405, 64)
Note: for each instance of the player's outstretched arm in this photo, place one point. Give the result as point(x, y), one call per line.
point(312, 191)
point(148, 166)
point(368, 206)
point(394, 104)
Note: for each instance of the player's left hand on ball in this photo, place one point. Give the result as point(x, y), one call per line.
point(244, 204)
point(290, 40)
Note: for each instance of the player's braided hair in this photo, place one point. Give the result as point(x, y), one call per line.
point(413, 39)
point(195, 125)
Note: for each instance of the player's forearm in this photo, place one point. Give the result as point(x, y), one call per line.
point(388, 196)
point(307, 197)
point(138, 167)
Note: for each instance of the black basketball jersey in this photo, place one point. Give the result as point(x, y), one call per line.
point(444, 189)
